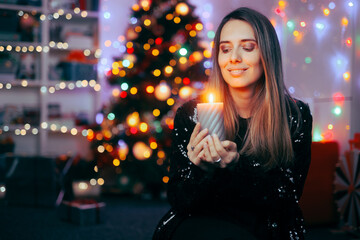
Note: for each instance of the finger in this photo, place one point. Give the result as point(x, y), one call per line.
point(202, 134)
point(196, 130)
point(218, 146)
point(229, 145)
point(214, 154)
point(193, 135)
point(199, 147)
point(207, 154)
point(198, 158)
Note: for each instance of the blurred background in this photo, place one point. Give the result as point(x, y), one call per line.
point(89, 89)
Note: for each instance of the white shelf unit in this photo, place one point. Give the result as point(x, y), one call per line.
point(69, 95)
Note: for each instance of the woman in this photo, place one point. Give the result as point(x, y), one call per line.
point(250, 183)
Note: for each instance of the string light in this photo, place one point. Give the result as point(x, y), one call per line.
point(348, 42)
point(182, 8)
point(344, 21)
point(326, 12)
point(346, 76)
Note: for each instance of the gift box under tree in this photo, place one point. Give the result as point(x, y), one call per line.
point(82, 212)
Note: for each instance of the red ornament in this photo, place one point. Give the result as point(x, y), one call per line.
point(133, 130)
point(123, 94)
point(130, 50)
point(186, 80)
point(158, 41)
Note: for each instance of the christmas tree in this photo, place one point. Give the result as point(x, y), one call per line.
point(163, 65)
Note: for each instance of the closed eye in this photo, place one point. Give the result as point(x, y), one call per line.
point(225, 48)
point(249, 47)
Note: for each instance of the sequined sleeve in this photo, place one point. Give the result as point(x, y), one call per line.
point(188, 183)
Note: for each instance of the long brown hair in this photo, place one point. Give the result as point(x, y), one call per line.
point(268, 136)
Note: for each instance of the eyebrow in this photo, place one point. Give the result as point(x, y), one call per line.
point(242, 40)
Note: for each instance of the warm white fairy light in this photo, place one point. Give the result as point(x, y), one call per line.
point(62, 85)
point(24, 83)
point(42, 17)
point(97, 53)
point(8, 48)
point(2, 48)
point(56, 15)
point(101, 181)
point(38, 48)
point(68, 16)
point(93, 181)
point(59, 45)
point(63, 129)
point(24, 49)
point(77, 10)
point(35, 131)
point(58, 86)
point(97, 87)
point(31, 48)
point(44, 125)
point(27, 126)
point(46, 49)
point(74, 131)
point(51, 89)
point(84, 14)
point(61, 12)
point(53, 127)
point(17, 48)
point(87, 52)
point(65, 45)
point(92, 83)
point(84, 83)
point(52, 44)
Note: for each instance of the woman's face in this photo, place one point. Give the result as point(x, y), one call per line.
point(239, 55)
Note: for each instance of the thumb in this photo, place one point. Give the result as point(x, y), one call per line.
point(229, 145)
point(226, 143)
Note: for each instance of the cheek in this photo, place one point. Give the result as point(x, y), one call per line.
point(221, 61)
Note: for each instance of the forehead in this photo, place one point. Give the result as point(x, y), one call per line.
point(236, 30)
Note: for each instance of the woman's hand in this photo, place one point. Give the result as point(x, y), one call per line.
point(208, 152)
point(196, 146)
point(222, 153)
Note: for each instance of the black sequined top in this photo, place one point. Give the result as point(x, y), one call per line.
point(265, 201)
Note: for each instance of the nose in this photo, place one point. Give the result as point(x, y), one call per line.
point(235, 55)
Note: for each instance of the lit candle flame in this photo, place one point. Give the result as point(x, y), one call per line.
point(211, 98)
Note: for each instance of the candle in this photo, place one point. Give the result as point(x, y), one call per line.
point(210, 116)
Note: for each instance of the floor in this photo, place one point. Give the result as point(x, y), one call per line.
point(125, 218)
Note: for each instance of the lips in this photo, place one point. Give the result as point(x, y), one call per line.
point(237, 71)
